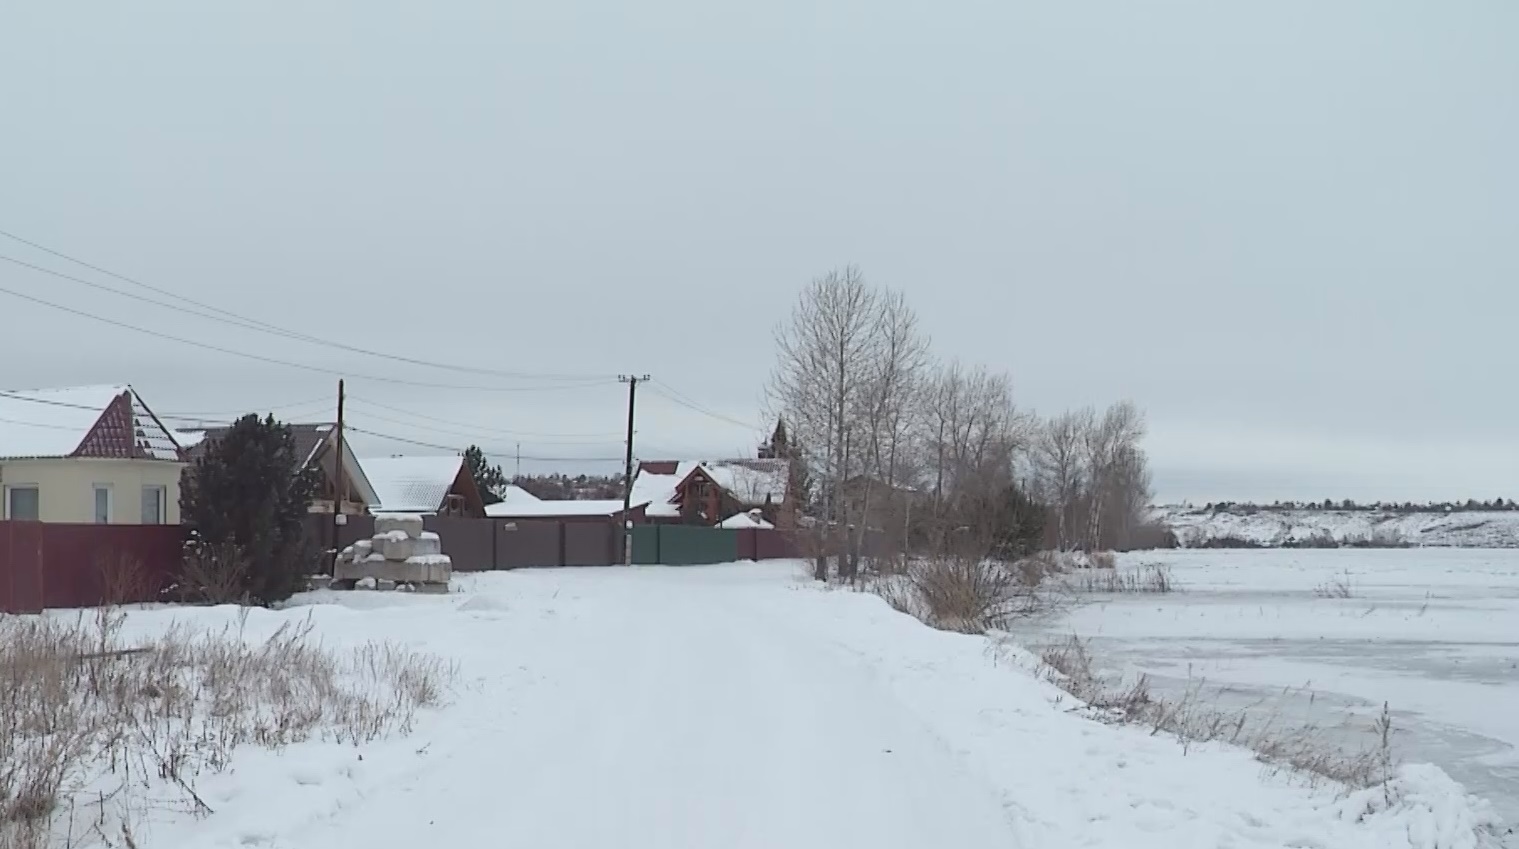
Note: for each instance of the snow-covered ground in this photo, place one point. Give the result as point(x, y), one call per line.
point(1434, 633)
point(1475, 529)
point(738, 706)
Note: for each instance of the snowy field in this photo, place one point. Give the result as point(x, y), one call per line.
point(1194, 527)
point(738, 706)
point(1434, 633)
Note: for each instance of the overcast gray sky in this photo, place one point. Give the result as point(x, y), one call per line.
point(1288, 230)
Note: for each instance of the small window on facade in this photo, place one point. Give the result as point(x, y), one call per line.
point(153, 498)
point(102, 504)
point(23, 503)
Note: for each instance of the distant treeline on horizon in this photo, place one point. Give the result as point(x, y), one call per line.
point(1468, 506)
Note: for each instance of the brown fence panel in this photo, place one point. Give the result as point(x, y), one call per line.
point(66, 565)
point(771, 544)
point(470, 543)
point(520, 544)
point(88, 565)
point(588, 544)
point(748, 543)
point(20, 567)
point(354, 528)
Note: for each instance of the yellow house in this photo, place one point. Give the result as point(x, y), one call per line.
point(90, 454)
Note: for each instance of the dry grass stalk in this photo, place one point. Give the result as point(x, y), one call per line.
point(123, 580)
point(1337, 587)
point(1150, 578)
point(1304, 747)
point(88, 722)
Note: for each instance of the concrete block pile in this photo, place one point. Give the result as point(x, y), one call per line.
point(399, 553)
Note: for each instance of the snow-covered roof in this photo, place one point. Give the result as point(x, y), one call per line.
point(749, 481)
point(752, 481)
point(515, 494)
point(535, 508)
point(411, 484)
point(740, 521)
point(188, 439)
point(658, 490)
point(87, 421)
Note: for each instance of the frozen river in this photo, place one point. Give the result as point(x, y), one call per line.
point(1434, 633)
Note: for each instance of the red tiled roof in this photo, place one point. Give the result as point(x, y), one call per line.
point(109, 422)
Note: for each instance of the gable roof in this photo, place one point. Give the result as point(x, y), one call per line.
point(311, 443)
point(514, 494)
point(753, 481)
point(308, 438)
point(108, 422)
point(750, 482)
point(657, 483)
point(412, 484)
point(742, 521)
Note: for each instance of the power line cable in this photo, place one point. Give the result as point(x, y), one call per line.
point(226, 316)
point(617, 437)
point(185, 414)
point(39, 424)
point(474, 434)
point(488, 450)
point(287, 363)
point(669, 393)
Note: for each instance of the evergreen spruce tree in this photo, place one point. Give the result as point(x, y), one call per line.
point(248, 494)
point(488, 479)
point(1017, 525)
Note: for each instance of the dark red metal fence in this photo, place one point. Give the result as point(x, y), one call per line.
point(45, 565)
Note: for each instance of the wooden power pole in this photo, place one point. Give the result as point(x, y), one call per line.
point(338, 495)
point(627, 475)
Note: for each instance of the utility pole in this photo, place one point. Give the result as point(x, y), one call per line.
point(338, 496)
point(519, 460)
point(627, 478)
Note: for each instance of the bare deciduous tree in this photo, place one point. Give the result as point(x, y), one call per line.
point(1058, 467)
point(855, 383)
point(824, 352)
point(1108, 440)
point(887, 412)
point(1093, 475)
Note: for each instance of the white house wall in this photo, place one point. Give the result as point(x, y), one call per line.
point(66, 487)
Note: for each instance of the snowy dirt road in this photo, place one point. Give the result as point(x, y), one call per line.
point(738, 707)
point(662, 718)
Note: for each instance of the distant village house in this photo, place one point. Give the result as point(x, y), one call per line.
point(93, 454)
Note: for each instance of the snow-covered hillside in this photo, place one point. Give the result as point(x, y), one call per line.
point(1196, 527)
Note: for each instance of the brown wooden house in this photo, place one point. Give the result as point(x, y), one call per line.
point(316, 445)
point(707, 492)
point(428, 486)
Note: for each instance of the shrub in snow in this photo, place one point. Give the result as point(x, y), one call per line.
point(967, 594)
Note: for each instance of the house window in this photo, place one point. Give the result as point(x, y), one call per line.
point(102, 504)
point(23, 503)
point(153, 500)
